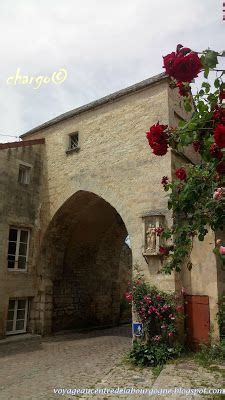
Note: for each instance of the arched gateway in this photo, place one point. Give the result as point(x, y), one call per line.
point(85, 264)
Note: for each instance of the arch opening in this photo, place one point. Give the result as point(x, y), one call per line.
point(89, 263)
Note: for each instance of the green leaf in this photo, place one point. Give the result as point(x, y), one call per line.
point(206, 72)
point(210, 58)
point(187, 105)
point(206, 85)
point(217, 83)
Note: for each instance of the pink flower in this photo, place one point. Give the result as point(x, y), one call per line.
point(179, 308)
point(147, 299)
point(129, 296)
point(166, 307)
point(172, 317)
point(222, 250)
point(157, 338)
point(218, 194)
point(170, 334)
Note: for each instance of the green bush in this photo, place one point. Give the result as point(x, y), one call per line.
point(208, 355)
point(153, 354)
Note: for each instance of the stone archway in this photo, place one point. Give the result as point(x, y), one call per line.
point(86, 265)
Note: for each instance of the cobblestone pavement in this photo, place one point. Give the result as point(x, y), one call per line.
point(31, 369)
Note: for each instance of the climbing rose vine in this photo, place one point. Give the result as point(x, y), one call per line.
point(196, 191)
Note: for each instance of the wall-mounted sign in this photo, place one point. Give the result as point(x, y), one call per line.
point(137, 329)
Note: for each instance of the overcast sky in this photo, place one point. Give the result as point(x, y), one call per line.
point(104, 45)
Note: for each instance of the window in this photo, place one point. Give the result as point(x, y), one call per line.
point(73, 142)
point(24, 174)
point(18, 249)
point(17, 316)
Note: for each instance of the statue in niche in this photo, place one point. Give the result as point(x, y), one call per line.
point(151, 239)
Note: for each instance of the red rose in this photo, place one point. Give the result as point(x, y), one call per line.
point(169, 63)
point(181, 174)
point(184, 65)
point(222, 95)
point(163, 250)
point(219, 135)
point(157, 134)
point(197, 145)
point(160, 149)
point(158, 139)
point(221, 168)
point(219, 115)
point(215, 151)
point(186, 68)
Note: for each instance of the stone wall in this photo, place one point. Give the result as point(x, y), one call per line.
point(19, 206)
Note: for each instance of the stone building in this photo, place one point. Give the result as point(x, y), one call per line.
point(74, 192)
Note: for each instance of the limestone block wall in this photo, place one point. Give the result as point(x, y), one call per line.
point(114, 160)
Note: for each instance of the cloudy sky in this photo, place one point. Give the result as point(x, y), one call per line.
point(103, 45)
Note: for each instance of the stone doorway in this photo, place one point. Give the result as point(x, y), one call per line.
point(88, 262)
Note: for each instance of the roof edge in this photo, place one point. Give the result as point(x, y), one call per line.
point(24, 143)
point(96, 103)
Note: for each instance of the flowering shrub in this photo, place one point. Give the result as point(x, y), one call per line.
point(196, 194)
point(157, 310)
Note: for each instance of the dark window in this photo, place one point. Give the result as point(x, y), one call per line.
point(24, 174)
point(18, 248)
point(74, 141)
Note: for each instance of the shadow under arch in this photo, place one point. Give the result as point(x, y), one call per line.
point(85, 265)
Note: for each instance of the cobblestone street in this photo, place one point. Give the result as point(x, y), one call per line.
point(31, 369)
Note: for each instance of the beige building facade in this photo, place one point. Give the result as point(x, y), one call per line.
point(77, 197)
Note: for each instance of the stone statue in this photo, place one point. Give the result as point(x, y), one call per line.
point(151, 239)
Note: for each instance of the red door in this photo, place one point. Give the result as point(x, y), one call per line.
point(197, 320)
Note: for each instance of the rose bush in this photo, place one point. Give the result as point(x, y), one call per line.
point(159, 312)
point(194, 195)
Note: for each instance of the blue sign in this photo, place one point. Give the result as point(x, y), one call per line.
point(138, 329)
